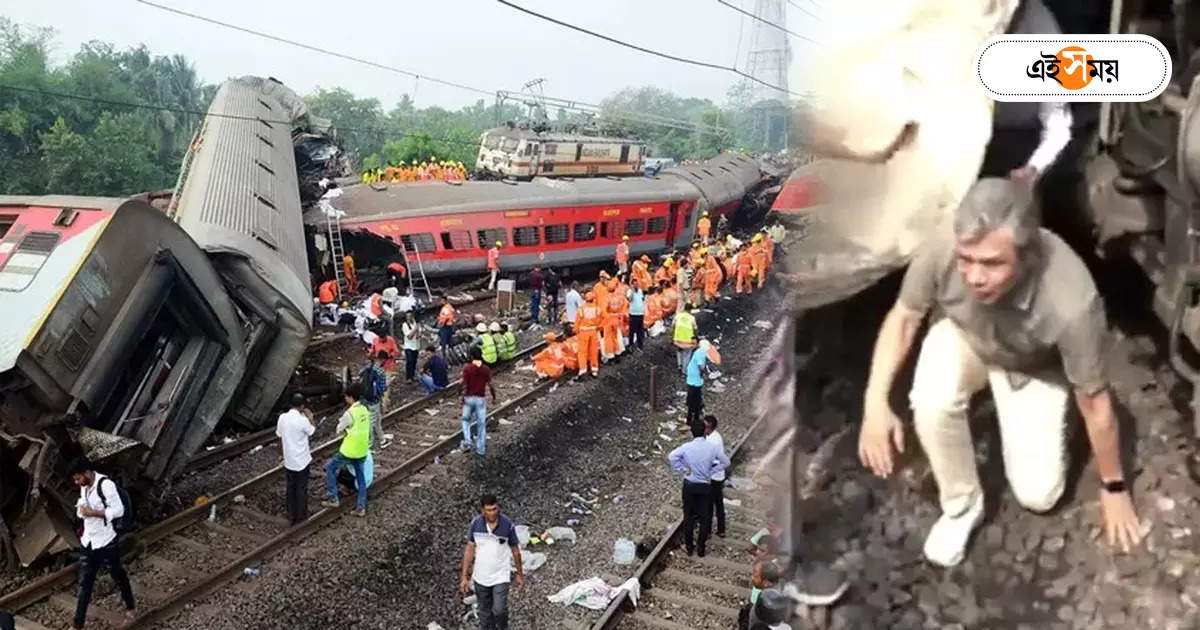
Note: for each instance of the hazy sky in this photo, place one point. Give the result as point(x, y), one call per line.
point(476, 42)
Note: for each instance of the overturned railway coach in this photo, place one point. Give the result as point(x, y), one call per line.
point(140, 329)
point(560, 222)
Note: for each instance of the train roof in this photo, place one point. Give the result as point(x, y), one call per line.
point(556, 136)
point(76, 202)
point(370, 202)
point(241, 193)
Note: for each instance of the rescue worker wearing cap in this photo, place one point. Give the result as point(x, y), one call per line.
point(493, 264)
point(743, 268)
point(622, 257)
point(684, 337)
point(550, 363)
point(703, 227)
point(350, 272)
point(712, 278)
point(487, 344)
point(445, 322)
point(510, 343)
point(665, 272)
point(640, 275)
point(601, 290)
point(758, 259)
point(587, 325)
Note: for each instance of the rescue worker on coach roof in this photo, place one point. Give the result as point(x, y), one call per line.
point(1022, 316)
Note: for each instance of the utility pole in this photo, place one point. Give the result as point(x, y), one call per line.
point(768, 59)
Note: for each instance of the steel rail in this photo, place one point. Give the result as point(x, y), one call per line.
point(139, 541)
point(646, 570)
point(176, 603)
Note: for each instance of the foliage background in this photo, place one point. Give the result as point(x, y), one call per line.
point(51, 144)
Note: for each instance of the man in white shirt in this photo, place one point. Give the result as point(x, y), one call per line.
point(717, 481)
point(412, 345)
point(99, 506)
point(574, 301)
point(294, 428)
point(486, 565)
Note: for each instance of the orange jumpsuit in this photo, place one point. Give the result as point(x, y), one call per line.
point(640, 274)
point(703, 227)
point(664, 274)
point(570, 351)
point(758, 261)
point(670, 300)
point(712, 279)
point(696, 290)
point(654, 309)
point(327, 292)
point(622, 257)
point(743, 272)
point(601, 290)
point(587, 324)
point(769, 246)
point(446, 315)
point(550, 363)
point(610, 325)
point(351, 274)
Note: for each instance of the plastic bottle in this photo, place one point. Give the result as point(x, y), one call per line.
point(250, 572)
point(623, 551)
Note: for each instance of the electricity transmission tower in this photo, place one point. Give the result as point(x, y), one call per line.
point(767, 60)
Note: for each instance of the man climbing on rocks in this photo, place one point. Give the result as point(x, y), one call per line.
point(1021, 314)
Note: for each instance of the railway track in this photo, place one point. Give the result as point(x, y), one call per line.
point(243, 525)
point(688, 593)
point(264, 437)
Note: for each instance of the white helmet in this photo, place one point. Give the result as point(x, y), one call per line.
point(481, 327)
point(494, 327)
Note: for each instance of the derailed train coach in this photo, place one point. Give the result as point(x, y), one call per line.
point(140, 329)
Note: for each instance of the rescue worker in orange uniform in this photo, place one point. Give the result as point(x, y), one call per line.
point(600, 290)
point(587, 325)
point(704, 227)
point(493, 264)
point(769, 248)
point(696, 290)
point(396, 271)
point(654, 307)
point(350, 272)
point(550, 363)
point(670, 299)
point(445, 321)
point(758, 259)
point(570, 350)
point(641, 273)
point(712, 279)
point(743, 266)
point(622, 257)
point(327, 292)
point(611, 341)
point(665, 273)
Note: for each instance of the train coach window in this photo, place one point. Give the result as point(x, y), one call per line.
point(557, 234)
point(635, 227)
point(422, 243)
point(585, 231)
point(6, 223)
point(488, 238)
point(491, 142)
point(510, 145)
point(525, 236)
point(656, 225)
point(610, 229)
point(458, 239)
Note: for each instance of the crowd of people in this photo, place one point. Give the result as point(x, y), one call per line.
point(423, 171)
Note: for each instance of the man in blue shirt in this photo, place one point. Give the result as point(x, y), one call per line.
point(433, 376)
point(637, 316)
point(698, 460)
point(695, 370)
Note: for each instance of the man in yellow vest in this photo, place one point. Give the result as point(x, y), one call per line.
point(356, 422)
point(685, 335)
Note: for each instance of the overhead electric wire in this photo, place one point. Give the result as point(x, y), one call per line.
point(649, 51)
point(793, 3)
point(382, 131)
point(417, 76)
point(323, 51)
point(767, 22)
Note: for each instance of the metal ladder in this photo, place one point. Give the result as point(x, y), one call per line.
point(420, 270)
point(334, 224)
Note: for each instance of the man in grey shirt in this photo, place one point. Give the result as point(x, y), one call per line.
point(1021, 314)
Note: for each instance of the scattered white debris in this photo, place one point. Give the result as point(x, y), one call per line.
point(561, 533)
point(554, 387)
point(680, 394)
point(209, 448)
point(433, 625)
point(744, 484)
point(431, 411)
point(441, 437)
point(227, 440)
point(763, 324)
point(714, 375)
point(505, 421)
point(241, 498)
point(664, 436)
point(526, 368)
point(256, 448)
point(531, 560)
point(627, 418)
point(733, 502)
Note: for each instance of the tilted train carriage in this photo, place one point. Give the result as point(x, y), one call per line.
point(524, 153)
point(561, 222)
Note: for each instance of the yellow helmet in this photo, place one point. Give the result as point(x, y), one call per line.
point(625, 237)
point(705, 213)
point(498, 243)
point(757, 238)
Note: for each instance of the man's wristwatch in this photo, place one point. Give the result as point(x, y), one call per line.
point(1115, 487)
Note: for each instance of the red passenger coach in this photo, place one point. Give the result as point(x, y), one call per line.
point(561, 222)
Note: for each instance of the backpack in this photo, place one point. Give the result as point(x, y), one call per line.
point(124, 523)
point(374, 382)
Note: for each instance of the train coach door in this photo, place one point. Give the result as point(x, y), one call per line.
point(624, 153)
point(672, 223)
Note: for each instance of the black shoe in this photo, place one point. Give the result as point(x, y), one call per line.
point(701, 552)
point(720, 534)
point(690, 553)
